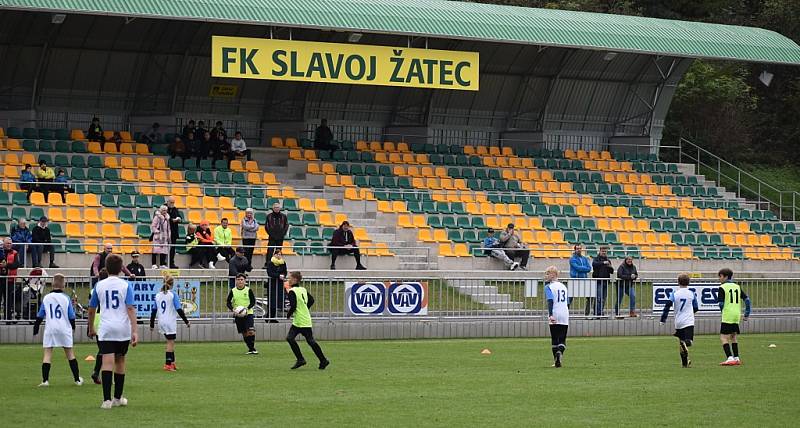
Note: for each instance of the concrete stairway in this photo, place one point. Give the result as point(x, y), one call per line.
point(488, 296)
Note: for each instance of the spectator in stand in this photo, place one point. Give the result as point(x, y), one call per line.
point(135, 267)
point(323, 137)
point(42, 243)
point(197, 254)
point(344, 242)
point(175, 219)
point(492, 248)
point(9, 263)
point(219, 130)
point(236, 265)
point(192, 146)
point(205, 241)
point(201, 128)
point(601, 270)
point(99, 263)
point(152, 135)
point(239, 147)
point(276, 271)
point(117, 139)
point(204, 146)
point(220, 149)
point(277, 225)
point(61, 184)
point(21, 236)
point(514, 247)
point(223, 239)
point(249, 232)
point(579, 268)
point(27, 181)
point(95, 132)
point(45, 176)
point(189, 127)
point(626, 274)
point(177, 148)
point(160, 236)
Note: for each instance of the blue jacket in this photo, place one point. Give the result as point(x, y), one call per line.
point(489, 242)
point(27, 177)
point(19, 234)
point(579, 266)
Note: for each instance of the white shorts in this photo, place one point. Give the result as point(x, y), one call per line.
point(168, 328)
point(57, 339)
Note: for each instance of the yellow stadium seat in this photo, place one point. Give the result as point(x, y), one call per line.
point(37, 198)
point(159, 163)
point(389, 146)
point(313, 168)
point(419, 221)
point(321, 205)
point(481, 151)
point(469, 150)
point(127, 175)
point(375, 146)
point(461, 250)
point(493, 223)
point(127, 231)
point(110, 148)
point(252, 166)
point(226, 203)
point(402, 147)
point(74, 214)
point(424, 235)
point(305, 204)
point(91, 200)
point(141, 162)
point(110, 231)
point(328, 168)
point(350, 193)
point(111, 162)
point(161, 176)
point(384, 206)
point(404, 221)
point(147, 189)
point(28, 158)
point(490, 162)
point(381, 157)
point(127, 149)
point(12, 159)
point(91, 215)
point(276, 142)
point(347, 181)
point(236, 165)
point(144, 176)
point(209, 203)
point(56, 214)
point(195, 216)
point(91, 230)
point(73, 200)
point(142, 149)
point(269, 179)
point(291, 143)
point(446, 250)
point(422, 159)
point(193, 202)
point(124, 162)
point(332, 181)
point(73, 229)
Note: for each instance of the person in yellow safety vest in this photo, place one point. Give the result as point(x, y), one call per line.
point(730, 296)
point(223, 239)
point(242, 295)
point(300, 300)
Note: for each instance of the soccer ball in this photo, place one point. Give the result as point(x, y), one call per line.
point(240, 311)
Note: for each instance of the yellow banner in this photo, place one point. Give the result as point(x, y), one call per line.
point(223, 91)
point(249, 58)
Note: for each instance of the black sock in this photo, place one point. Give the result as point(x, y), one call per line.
point(251, 342)
point(73, 365)
point(119, 383)
point(562, 348)
point(98, 363)
point(45, 372)
point(317, 350)
point(735, 347)
point(684, 356)
point(170, 357)
point(727, 348)
point(106, 375)
point(555, 351)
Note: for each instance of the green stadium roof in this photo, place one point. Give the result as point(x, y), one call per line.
point(460, 20)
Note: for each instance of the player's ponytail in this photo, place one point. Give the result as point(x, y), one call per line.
point(168, 281)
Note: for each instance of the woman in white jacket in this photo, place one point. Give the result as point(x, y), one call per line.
point(160, 236)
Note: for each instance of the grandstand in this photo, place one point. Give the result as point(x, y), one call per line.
point(559, 140)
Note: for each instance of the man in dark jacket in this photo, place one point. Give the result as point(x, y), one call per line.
point(42, 241)
point(323, 137)
point(175, 218)
point(601, 268)
point(136, 268)
point(236, 265)
point(21, 236)
point(277, 225)
point(9, 263)
point(277, 271)
point(343, 242)
point(95, 132)
point(627, 274)
point(99, 262)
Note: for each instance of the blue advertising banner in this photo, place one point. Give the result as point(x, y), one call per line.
point(144, 296)
point(390, 298)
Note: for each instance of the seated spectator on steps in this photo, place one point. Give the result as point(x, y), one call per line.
point(177, 148)
point(189, 127)
point(220, 149)
point(514, 247)
point(219, 130)
point(344, 242)
point(239, 147)
point(152, 135)
point(323, 138)
point(45, 177)
point(117, 139)
point(196, 254)
point(61, 184)
point(493, 248)
point(27, 181)
point(21, 236)
point(95, 132)
point(205, 242)
point(192, 146)
point(42, 243)
point(223, 239)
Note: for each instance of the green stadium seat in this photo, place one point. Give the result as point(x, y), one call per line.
point(221, 165)
point(241, 203)
point(74, 246)
point(290, 204)
point(175, 163)
point(19, 198)
point(143, 216)
point(469, 236)
point(449, 222)
point(108, 200)
point(310, 219)
point(126, 216)
point(296, 233)
point(478, 223)
point(435, 222)
point(313, 234)
point(570, 237)
point(455, 235)
point(190, 164)
point(111, 174)
point(239, 178)
point(294, 219)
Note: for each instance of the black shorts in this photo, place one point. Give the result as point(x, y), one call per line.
point(170, 336)
point(728, 328)
point(245, 323)
point(558, 334)
point(685, 334)
point(118, 348)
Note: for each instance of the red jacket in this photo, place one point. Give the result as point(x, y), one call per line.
point(12, 264)
point(204, 236)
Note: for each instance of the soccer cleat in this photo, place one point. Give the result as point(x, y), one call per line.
point(45, 383)
point(96, 379)
point(729, 362)
point(168, 368)
point(220, 258)
point(211, 265)
point(323, 364)
point(298, 364)
point(252, 352)
point(154, 267)
point(736, 362)
point(164, 267)
point(121, 401)
point(79, 382)
point(361, 267)
point(333, 267)
point(514, 266)
point(174, 367)
point(106, 405)
point(558, 359)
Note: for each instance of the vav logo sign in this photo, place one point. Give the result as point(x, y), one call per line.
point(367, 298)
point(406, 298)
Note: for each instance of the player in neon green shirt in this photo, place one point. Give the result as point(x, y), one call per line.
point(242, 295)
point(730, 297)
point(300, 300)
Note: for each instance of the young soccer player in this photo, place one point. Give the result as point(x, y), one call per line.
point(98, 361)
point(685, 301)
point(242, 295)
point(117, 329)
point(558, 301)
point(56, 309)
point(730, 297)
point(167, 308)
point(300, 301)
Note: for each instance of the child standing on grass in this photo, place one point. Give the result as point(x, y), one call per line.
point(167, 308)
point(300, 301)
point(685, 301)
point(242, 295)
point(558, 300)
point(56, 309)
point(730, 297)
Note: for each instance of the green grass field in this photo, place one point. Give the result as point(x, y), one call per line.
point(632, 381)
